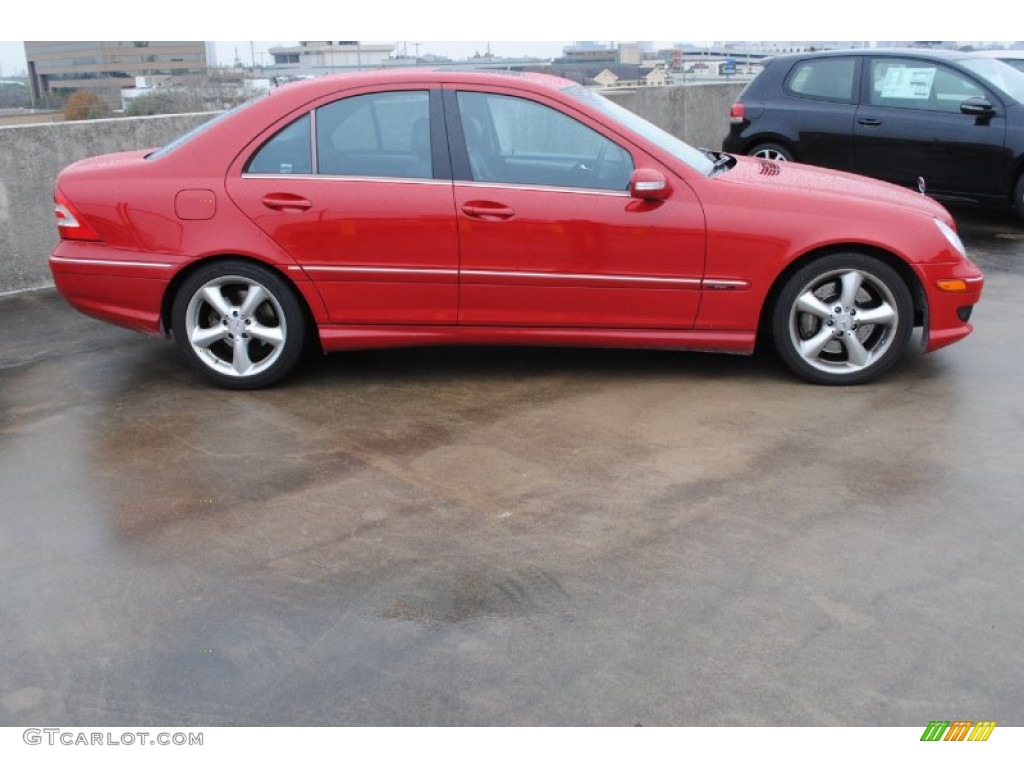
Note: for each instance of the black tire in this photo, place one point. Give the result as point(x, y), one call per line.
point(1018, 197)
point(233, 337)
point(776, 152)
point(845, 318)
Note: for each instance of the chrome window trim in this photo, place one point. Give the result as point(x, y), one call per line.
point(544, 188)
point(364, 179)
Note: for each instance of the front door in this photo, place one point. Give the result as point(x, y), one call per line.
point(548, 232)
point(910, 125)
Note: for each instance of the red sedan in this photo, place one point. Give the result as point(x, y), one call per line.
point(419, 207)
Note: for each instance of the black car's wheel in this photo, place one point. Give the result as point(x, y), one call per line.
point(775, 152)
point(1018, 196)
point(238, 324)
point(845, 318)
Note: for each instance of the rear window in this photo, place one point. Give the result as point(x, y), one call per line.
point(203, 127)
point(831, 79)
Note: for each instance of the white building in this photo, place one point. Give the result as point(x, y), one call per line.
point(329, 56)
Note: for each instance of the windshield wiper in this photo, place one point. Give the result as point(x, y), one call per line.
point(720, 160)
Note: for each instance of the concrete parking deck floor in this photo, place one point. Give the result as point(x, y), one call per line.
point(507, 536)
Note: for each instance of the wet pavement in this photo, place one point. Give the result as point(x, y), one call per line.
point(511, 536)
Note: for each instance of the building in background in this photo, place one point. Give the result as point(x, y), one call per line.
point(320, 57)
point(107, 67)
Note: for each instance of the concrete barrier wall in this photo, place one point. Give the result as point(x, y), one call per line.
point(698, 114)
point(31, 157)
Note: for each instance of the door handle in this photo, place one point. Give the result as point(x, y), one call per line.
point(869, 121)
point(285, 201)
point(485, 209)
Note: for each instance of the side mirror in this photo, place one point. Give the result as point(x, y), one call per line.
point(977, 106)
point(648, 184)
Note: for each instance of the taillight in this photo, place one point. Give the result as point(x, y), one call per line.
point(70, 223)
point(737, 114)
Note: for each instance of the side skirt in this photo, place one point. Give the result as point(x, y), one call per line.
point(336, 337)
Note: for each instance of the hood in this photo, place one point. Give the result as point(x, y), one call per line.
point(825, 181)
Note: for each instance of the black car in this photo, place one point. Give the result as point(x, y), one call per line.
point(949, 122)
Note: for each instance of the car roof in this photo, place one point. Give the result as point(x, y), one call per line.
point(323, 84)
point(927, 53)
point(999, 53)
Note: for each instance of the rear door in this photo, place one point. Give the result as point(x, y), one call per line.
point(369, 214)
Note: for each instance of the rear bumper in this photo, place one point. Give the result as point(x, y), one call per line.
point(110, 285)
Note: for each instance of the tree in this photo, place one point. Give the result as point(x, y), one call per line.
point(84, 105)
point(13, 96)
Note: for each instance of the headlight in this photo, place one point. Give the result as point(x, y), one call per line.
point(951, 236)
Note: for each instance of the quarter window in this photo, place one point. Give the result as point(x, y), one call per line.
point(518, 141)
point(831, 79)
point(287, 151)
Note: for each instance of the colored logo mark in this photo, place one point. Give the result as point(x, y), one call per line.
point(958, 730)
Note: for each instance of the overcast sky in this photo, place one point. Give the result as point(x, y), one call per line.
point(12, 54)
point(468, 24)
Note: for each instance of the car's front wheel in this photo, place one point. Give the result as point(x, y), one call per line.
point(845, 318)
point(776, 152)
point(238, 324)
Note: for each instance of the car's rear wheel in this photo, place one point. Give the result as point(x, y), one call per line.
point(238, 324)
point(775, 152)
point(845, 318)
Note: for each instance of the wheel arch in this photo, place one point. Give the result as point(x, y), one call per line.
point(183, 274)
point(1017, 187)
point(771, 138)
point(903, 269)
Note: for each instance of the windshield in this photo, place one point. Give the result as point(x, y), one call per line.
point(665, 140)
point(1000, 74)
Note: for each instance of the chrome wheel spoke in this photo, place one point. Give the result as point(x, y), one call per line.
point(211, 295)
point(856, 354)
point(851, 283)
point(204, 337)
point(810, 303)
point(240, 362)
point(812, 347)
point(255, 296)
point(881, 315)
point(272, 335)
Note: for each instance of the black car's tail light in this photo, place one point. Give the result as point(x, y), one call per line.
point(737, 114)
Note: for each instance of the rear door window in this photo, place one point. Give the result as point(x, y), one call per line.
point(384, 135)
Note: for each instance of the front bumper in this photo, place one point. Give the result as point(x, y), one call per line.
point(949, 306)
